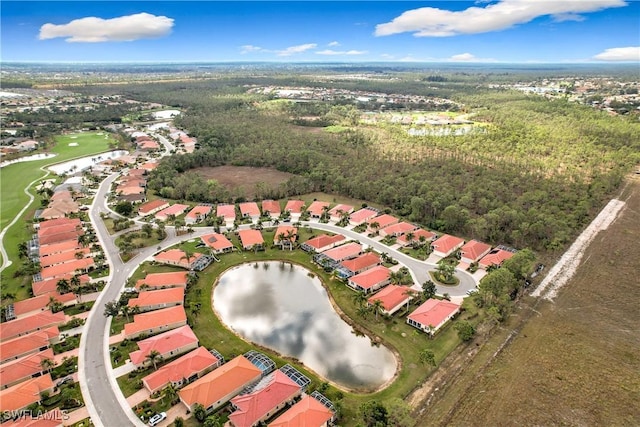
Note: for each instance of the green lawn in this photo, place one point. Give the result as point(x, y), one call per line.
point(15, 178)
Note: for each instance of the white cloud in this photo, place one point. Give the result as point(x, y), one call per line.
point(434, 22)
point(292, 50)
point(387, 56)
point(120, 29)
point(333, 44)
point(341, 52)
point(631, 53)
point(468, 57)
point(248, 48)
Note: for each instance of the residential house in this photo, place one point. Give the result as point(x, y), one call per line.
point(362, 216)
point(393, 298)
point(168, 345)
point(35, 322)
point(419, 236)
point(495, 257)
point(362, 263)
point(317, 208)
point(370, 280)
point(217, 243)
point(308, 412)
point(24, 368)
point(219, 386)
point(197, 214)
point(64, 257)
point(156, 321)
point(473, 250)
point(344, 252)
point(59, 248)
point(74, 222)
point(336, 213)
point(43, 287)
point(60, 209)
point(285, 235)
point(259, 405)
point(183, 370)
point(227, 212)
point(251, 239)
point(77, 266)
point(381, 222)
point(25, 393)
point(152, 207)
point(163, 280)
point(178, 257)
point(40, 303)
point(249, 210)
point(173, 210)
point(28, 344)
point(446, 245)
point(322, 243)
point(432, 315)
point(157, 299)
point(294, 207)
point(397, 229)
point(271, 208)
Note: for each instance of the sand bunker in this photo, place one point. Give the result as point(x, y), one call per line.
point(73, 144)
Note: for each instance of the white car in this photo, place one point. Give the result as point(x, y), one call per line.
point(157, 418)
point(472, 291)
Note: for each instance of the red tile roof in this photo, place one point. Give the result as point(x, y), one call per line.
point(316, 207)
point(371, 277)
point(324, 240)
point(155, 319)
point(57, 229)
point(350, 250)
point(225, 380)
point(70, 267)
point(177, 257)
point(383, 221)
point(25, 393)
point(271, 206)
point(58, 248)
point(428, 236)
point(159, 280)
point(163, 343)
point(59, 195)
point(340, 207)
point(285, 229)
point(399, 228)
point(433, 312)
point(59, 221)
point(63, 257)
point(254, 407)
point(40, 302)
point(308, 412)
point(363, 261)
point(51, 239)
point(250, 238)
point(190, 364)
point(50, 285)
point(48, 419)
point(392, 296)
point(474, 249)
point(199, 212)
point(226, 211)
point(149, 166)
point(27, 343)
point(176, 210)
point(294, 206)
point(249, 209)
point(446, 243)
point(217, 241)
point(495, 257)
point(42, 320)
point(157, 297)
point(25, 367)
point(146, 208)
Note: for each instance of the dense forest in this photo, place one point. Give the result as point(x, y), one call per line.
point(536, 176)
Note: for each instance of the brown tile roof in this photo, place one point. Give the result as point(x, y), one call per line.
point(177, 257)
point(446, 243)
point(433, 312)
point(198, 212)
point(284, 230)
point(308, 412)
point(324, 240)
point(226, 211)
point(339, 253)
point(63, 257)
point(145, 208)
point(40, 302)
point(271, 206)
point(249, 209)
point(362, 215)
point(495, 257)
point(50, 285)
point(60, 247)
point(316, 207)
point(474, 249)
point(392, 296)
point(428, 236)
point(59, 221)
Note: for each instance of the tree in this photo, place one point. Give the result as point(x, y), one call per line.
point(364, 311)
point(23, 250)
point(154, 357)
point(212, 421)
point(111, 309)
point(399, 413)
point(54, 305)
point(76, 286)
point(373, 413)
point(465, 330)
point(359, 298)
point(375, 226)
point(409, 236)
point(188, 255)
point(377, 307)
point(179, 224)
point(47, 364)
point(395, 277)
point(178, 422)
point(199, 412)
point(446, 270)
point(147, 229)
point(520, 264)
point(125, 310)
point(427, 357)
point(124, 208)
point(170, 392)
point(428, 289)
point(63, 286)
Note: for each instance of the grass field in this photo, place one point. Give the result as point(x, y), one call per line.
point(575, 361)
point(15, 178)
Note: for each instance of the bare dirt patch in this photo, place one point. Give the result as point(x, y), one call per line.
point(244, 177)
point(574, 361)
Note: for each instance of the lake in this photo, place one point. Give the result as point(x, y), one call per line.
point(278, 305)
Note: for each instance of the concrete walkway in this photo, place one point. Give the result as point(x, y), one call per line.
point(124, 369)
point(76, 416)
point(139, 396)
point(58, 358)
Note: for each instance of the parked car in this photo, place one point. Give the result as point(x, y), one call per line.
point(157, 419)
point(65, 380)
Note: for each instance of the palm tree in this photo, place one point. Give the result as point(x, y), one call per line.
point(125, 310)
point(408, 293)
point(364, 311)
point(170, 392)
point(154, 357)
point(76, 286)
point(410, 235)
point(291, 237)
point(188, 254)
point(395, 277)
point(359, 298)
point(377, 307)
point(63, 286)
point(179, 223)
point(54, 305)
point(375, 225)
point(281, 237)
point(47, 364)
point(446, 270)
point(427, 356)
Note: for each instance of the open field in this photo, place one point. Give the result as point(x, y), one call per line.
point(234, 177)
point(15, 178)
point(575, 361)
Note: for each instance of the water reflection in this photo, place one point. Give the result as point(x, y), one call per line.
point(285, 309)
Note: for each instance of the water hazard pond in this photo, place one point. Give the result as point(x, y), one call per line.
point(278, 305)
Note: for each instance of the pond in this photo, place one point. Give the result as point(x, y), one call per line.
point(83, 163)
point(280, 306)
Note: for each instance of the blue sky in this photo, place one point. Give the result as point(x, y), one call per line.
point(327, 31)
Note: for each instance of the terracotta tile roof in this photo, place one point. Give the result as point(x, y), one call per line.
point(154, 319)
point(324, 240)
point(177, 257)
point(340, 207)
point(285, 229)
point(271, 206)
point(42, 320)
point(70, 267)
point(62, 228)
point(59, 221)
point(25, 367)
point(199, 212)
point(474, 249)
point(363, 215)
point(48, 419)
point(176, 210)
point(227, 379)
point(447, 243)
point(27, 343)
point(50, 285)
point(217, 241)
point(63, 257)
point(59, 237)
point(249, 209)
point(399, 228)
point(383, 221)
point(158, 297)
point(25, 393)
point(428, 236)
point(294, 206)
point(146, 208)
point(254, 407)
point(163, 343)
point(495, 257)
point(315, 208)
point(190, 364)
point(40, 302)
point(363, 261)
point(149, 166)
point(60, 247)
point(433, 312)
point(370, 278)
point(250, 238)
point(130, 189)
point(60, 195)
point(158, 280)
point(308, 412)
point(226, 211)
point(350, 250)
point(392, 296)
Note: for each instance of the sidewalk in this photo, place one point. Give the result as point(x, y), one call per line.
point(57, 358)
point(77, 415)
point(138, 396)
point(124, 369)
